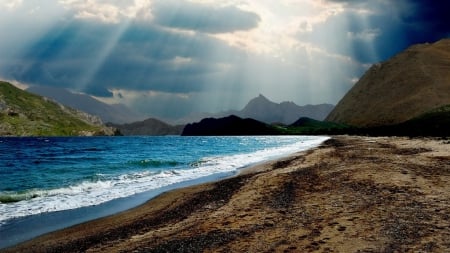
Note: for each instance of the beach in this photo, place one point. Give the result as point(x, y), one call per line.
point(351, 194)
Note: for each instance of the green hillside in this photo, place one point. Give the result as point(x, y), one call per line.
point(26, 114)
point(308, 126)
point(433, 123)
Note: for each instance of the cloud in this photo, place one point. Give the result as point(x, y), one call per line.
point(109, 11)
point(408, 21)
point(366, 35)
point(208, 18)
point(11, 4)
point(145, 57)
point(169, 58)
point(426, 19)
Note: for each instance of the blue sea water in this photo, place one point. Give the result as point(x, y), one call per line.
point(43, 175)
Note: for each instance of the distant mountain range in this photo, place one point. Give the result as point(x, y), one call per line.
point(117, 113)
point(413, 83)
point(26, 114)
point(259, 108)
point(264, 110)
point(234, 125)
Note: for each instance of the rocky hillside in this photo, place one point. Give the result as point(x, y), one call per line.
point(26, 114)
point(410, 84)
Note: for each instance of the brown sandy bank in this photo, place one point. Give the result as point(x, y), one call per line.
point(352, 194)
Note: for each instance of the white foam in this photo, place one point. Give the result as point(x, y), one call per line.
point(103, 190)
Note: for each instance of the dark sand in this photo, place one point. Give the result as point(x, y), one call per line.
point(352, 194)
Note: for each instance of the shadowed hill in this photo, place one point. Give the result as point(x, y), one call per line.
point(231, 125)
point(433, 123)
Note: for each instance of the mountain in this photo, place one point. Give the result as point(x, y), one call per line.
point(231, 125)
point(116, 113)
point(26, 114)
point(148, 127)
point(412, 83)
point(262, 109)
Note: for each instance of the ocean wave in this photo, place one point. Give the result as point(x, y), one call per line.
point(146, 163)
point(199, 163)
point(11, 197)
point(102, 188)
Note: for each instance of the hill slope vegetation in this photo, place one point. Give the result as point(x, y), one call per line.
point(26, 114)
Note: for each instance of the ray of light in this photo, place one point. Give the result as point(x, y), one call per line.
point(99, 59)
point(16, 43)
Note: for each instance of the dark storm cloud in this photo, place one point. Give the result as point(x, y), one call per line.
point(401, 24)
point(418, 21)
point(145, 57)
point(429, 20)
point(203, 18)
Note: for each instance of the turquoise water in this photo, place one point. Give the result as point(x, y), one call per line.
point(43, 175)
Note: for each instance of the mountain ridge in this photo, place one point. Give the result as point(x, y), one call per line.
point(262, 109)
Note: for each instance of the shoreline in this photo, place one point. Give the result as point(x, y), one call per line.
point(22, 229)
point(351, 193)
point(17, 231)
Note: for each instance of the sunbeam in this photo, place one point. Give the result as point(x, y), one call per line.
point(172, 58)
point(98, 59)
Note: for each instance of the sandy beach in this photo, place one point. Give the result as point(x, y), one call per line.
point(351, 194)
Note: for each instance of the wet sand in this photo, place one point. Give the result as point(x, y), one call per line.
point(352, 194)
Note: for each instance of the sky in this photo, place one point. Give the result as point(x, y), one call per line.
point(171, 58)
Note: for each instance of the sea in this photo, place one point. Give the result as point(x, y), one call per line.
point(48, 183)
